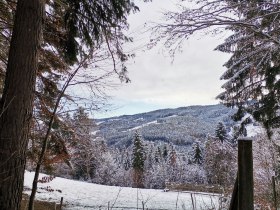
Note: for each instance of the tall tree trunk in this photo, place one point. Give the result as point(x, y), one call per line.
point(17, 101)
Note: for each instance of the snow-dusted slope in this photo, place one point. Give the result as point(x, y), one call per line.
point(181, 126)
point(82, 195)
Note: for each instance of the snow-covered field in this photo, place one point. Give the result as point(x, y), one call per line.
point(142, 126)
point(82, 195)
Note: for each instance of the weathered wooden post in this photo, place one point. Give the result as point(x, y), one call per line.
point(245, 174)
point(234, 196)
point(274, 192)
point(61, 203)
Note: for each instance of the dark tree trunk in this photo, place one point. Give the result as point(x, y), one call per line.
point(17, 101)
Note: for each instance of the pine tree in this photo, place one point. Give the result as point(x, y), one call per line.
point(252, 82)
point(221, 132)
point(84, 152)
point(197, 154)
point(158, 155)
point(138, 161)
point(94, 22)
point(18, 93)
point(165, 153)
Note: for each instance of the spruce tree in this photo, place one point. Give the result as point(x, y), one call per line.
point(221, 132)
point(138, 161)
point(252, 83)
point(158, 155)
point(197, 154)
point(252, 75)
point(93, 22)
point(165, 153)
point(16, 102)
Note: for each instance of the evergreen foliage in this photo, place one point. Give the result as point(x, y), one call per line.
point(220, 162)
point(252, 72)
point(187, 124)
point(221, 132)
point(158, 155)
point(197, 154)
point(73, 31)
point(138, 153)
point(138, 161)
point(165, 153)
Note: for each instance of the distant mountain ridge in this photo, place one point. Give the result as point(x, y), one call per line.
point(181, 126)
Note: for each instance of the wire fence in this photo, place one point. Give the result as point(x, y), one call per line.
point(192, 204)
point(104, 207)
point(182, 200)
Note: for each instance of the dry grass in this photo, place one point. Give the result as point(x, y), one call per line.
point(39, 205)
point(195, 188)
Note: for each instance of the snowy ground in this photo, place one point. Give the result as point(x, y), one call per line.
point(82, 195)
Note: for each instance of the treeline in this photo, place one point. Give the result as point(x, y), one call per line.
point(84, 156)
point(146, 164)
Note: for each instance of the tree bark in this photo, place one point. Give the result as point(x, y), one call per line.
point(17, 100)
point(245, 174)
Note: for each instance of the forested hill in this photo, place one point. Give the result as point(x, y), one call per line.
point(181, 126)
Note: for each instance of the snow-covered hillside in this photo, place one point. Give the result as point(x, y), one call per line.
point(181, 126)
point(82, 195)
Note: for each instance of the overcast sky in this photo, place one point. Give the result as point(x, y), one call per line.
point(157, 82)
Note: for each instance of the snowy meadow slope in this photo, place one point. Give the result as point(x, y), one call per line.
point(82, 195)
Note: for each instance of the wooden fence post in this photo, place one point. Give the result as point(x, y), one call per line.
point(245, 174)
point(234, 196)
point(61, 203)
point(274, 192)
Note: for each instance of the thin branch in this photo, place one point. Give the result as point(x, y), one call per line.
point(45, 141)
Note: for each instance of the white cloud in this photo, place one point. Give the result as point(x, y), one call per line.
point(192, 79)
